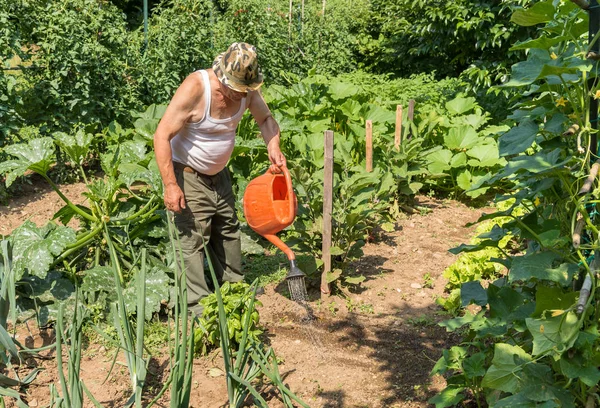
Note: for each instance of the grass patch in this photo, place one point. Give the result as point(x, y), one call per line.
point(266, 268)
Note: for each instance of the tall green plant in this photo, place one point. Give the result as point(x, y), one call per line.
point(182, 348)
point(250, 361)
point(544, 333)
point(72, 386)
point(131, 344)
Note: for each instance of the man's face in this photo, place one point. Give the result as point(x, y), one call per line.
point(231, 94)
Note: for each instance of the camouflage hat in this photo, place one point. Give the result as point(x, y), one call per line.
point(238, 68)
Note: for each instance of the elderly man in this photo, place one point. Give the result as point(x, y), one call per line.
point(193, 143)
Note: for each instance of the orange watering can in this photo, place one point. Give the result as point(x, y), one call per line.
point(270, 205)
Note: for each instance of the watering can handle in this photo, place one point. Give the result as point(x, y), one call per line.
point(290, 190)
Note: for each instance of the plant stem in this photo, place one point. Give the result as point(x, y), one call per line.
point(75, 208)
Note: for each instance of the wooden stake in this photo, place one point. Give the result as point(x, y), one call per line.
point(290, 23)
point(398, 138)
point(369, 144)
point(323, 8)
point(587, 185)
point(411, 114)
point(327, 210)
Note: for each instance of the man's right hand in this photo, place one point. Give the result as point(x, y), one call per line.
point(174, 198)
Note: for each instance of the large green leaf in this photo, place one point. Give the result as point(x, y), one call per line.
point(132, 152)
point(100, 278)
point(542, 162)
point(351, 109)
point(449, 397)
point(507, 363)
point(485, 155)
point(460, 105)
point(37, 155)
point(518, 138)
point(54, 287)
point(458, 160)
point(129, 173)
point(34, 249)
point(508, 304)
point(527, 72)
point(542, 42)
point(473, 292)
point(578, 367)
point(342, 90)
point(474, 365)
point(557, 333)
point(462, 137)
point(439, 161)
point(552, 298)
point(540, 266)
point(541, 12)
point(157, 290)
point(378, 114)
point(76, 147)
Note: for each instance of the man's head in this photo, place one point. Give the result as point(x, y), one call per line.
point(237, 68)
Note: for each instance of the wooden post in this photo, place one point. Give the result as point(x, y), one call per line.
point(323, 8)
point(398, 138)
point(411, 113)
point(327, 210)
point(290, 23)
point(593, 26)
point(369, 144)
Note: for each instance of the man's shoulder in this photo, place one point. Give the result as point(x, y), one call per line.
point(193, 83)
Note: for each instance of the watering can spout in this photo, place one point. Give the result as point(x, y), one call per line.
point(294, 272)
point(274, 239)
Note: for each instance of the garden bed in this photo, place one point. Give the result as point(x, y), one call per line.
point(373, 347)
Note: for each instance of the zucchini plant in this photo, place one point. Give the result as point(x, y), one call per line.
point(126, 204)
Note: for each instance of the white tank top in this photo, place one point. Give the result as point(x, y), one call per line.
point(206, 146)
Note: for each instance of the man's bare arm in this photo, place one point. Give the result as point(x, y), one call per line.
point(268, 128)
point(178, 113)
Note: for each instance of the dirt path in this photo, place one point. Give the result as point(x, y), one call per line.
point(374, 348)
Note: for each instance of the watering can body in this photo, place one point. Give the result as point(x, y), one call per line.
point(270, 205)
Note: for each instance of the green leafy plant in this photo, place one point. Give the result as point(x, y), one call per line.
point(465, 150)
point(543, 331)
point(117, 203)
point(236, 298)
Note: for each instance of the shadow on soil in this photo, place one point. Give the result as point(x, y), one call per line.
point(405, 351)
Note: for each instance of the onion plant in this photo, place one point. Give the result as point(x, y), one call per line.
point(183, 340)
point(72, 387)
point(131, 338)
point(250, 361)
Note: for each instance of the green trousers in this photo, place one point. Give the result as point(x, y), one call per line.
point(209, 213)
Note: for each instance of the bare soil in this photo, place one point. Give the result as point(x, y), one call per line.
point(372, 347)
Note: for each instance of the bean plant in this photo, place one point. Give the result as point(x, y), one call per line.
point(541, 317)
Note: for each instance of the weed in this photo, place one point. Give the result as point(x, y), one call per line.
point(333, 308)
point(267, 269)
point(350, 305)
point(366, 308)
point(421, 321)
point(427, 281)
point(156, 335)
